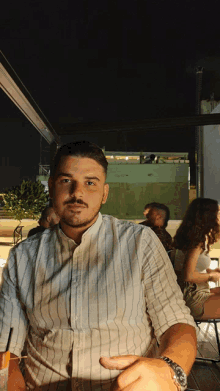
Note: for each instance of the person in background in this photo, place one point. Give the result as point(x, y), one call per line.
point(92, 294)
point(157, 216)
point(48, 219)
point(196, 234)
point(149, 159)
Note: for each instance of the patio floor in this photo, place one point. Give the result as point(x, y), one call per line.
point(205, 376)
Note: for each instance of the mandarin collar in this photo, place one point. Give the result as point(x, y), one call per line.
point(91, 230)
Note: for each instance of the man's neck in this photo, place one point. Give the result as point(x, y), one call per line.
point(75, 233)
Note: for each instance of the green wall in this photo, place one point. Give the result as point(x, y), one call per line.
point(133, 186)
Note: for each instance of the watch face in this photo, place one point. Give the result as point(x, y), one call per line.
point(181, 376)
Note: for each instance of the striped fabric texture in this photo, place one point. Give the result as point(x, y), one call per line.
point(74, 303)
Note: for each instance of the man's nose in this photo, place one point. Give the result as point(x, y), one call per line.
point(76, 188)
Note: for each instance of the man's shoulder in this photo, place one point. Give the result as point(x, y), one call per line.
point(35, 230)
point(108, 219)
point(123, 224)
point(34, 240)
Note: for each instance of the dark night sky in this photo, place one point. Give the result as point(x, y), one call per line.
point(112, 60)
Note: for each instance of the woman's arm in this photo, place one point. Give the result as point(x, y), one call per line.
point(191, 275)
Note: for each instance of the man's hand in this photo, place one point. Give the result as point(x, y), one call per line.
point(140, 373)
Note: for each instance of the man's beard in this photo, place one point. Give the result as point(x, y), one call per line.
point(69, 220)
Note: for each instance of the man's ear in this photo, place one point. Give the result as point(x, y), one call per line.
point(159, 219)
point(106, 191)
point(50, 185)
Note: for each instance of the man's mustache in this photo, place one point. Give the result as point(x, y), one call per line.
point(76, 201)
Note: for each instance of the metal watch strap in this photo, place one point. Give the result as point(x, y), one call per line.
point(176, 367)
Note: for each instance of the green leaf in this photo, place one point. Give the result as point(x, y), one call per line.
point(26, 200)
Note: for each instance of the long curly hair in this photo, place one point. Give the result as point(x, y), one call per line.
point(200, 224)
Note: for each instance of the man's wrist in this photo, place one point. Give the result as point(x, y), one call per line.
point(178, 387)
point(178, 375)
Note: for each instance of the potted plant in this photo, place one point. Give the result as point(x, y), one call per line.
point(25, 201)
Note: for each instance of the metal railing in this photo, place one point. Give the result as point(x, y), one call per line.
point(44, 169)
point(17, 234)
point(140, 157)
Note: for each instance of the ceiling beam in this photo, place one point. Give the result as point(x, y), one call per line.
point(19, 95)
point(142, 125)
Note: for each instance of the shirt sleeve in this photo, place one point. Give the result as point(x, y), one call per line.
point(164, 299)
point(11, 311)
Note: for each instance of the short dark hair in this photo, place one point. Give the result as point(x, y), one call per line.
point(160, 207)
point(81, 149)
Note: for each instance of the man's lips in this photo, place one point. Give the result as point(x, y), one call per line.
point(76, 206)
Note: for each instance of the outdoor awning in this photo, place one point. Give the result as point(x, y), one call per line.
point(16, 91)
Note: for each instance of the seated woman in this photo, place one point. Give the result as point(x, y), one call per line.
point(197, 232)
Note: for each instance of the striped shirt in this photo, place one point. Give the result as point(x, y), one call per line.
point(106, 296)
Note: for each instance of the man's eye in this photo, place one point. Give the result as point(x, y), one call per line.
point(65, 180)
point(90, 183)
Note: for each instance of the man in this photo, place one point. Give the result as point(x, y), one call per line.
point(91, 293)
point(157, 216)
point(47, 220)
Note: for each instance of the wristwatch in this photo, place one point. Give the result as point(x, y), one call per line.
point(179, 377)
